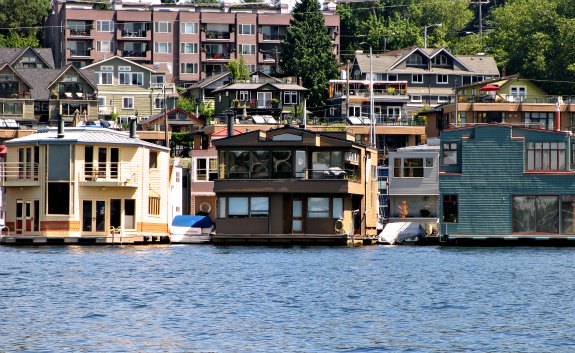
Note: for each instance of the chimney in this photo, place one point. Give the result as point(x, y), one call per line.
point(132, 123)
point(60, 126)
point(230, 124)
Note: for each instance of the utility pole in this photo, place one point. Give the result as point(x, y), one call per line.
point(479, 3)
point(347, 93)
point(371, 112)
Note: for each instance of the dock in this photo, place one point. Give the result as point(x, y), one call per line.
point(507, 240)
point(96, 240)
point(291, 239)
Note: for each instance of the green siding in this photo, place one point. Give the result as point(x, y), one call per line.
point(492, 172)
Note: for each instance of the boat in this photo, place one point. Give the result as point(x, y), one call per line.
point(400, 232)
point(191, 229)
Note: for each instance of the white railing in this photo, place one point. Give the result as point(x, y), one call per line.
point(19, 172)
point(122, 173)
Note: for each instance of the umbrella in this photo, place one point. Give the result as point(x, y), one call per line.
point(489, 87)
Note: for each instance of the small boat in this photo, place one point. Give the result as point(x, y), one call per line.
point(191, 229)
point(399, 232)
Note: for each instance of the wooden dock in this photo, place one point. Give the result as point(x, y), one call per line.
point(507, 240)
point(290, 239)
point(107, 240)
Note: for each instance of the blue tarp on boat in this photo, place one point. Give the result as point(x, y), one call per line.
point(192, 221)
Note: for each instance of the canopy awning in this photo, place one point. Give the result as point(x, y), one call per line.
point(489, 87)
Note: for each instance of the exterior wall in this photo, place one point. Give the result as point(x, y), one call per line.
point(135, 160)
point(59, 39)
point(492, 171)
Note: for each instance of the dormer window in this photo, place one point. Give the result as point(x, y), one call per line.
point(414, 60)
point(439, 60)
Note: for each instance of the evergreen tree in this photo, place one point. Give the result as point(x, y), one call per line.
point(306, 51)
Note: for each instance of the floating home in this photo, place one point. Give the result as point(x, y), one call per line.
point(85, 185)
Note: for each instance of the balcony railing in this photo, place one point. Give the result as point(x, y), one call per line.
point(223, 55)
point(255, 103)
point(313, 174)
point(217, 35)
point(134, 33)
point(17, 174)
point(365, 92)
point(268, 36)
point(512, 98)
point(76, 52)
point(134, 54)
point(80, 31)
point(113, 173)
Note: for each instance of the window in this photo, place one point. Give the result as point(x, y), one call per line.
point(130, 214)
point(105, 46)
point(70, 108)
point(105, 26)
point(153, 163)
point(247, 49)
point(449, 153)
point(206, 169)
point(163, 27)
point(535, 214)
point(244, 29)
point(189, 27)
point(158, 103)
point(189, 68)
point(318, 207)
point(101, 101)
point(442, 99)
point(450, 209)
point(337, 209)
point(290, 97)
point(254, 206)
point(440, 60)
point(414, 60)
point(178, 177)
point(416, 99)
point(411, 167)
point(417, 78)
point(58, 198)
point(128, 103)
point(189, 48)
point(244, 95)
point(568, 214)
point(221, 207)
point(519, 92)
point(544, 156)
point(105, 78)
point(12, 108)
point(131, 78)
point(392, 77)
point(153, 205)
point(539, 119)
point(442, 79)
point(282, 165)
point(162, 48)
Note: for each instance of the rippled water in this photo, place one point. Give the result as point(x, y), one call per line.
point(296, 299)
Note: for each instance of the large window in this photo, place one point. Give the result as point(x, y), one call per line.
point(324, 207)
point(244, 206)
point(258, 164)
point(442, 79)
point(417, 78)
point(290, 97)
point(539, 119)
point(163, 48)
point(131, 78)
point(414, 60)
point(71, 108)
point(206, 169)
point(105, 78)
point(244, 29)
point(189, 48)
point(568, 214)
point(105, 46)
point(189, 27)
point(282, 165)
point(189, 68)
point(128, 103)
point(535, 214)
point(105, 26)
point(411, 167)
point(163, 27)
point(544, 156)
point(449, 153)
point(247, 49)
point(450, 209)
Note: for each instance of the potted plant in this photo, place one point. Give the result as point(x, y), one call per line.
point(236, 103)
point(53, 94)
point(390, 90)
point(275, 102)
point(252, 103)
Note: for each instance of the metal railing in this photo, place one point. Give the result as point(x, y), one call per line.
point(335, 173)
point(118, 172)
point(512, 98)
point(19, 172)
point(223, 55)
point(217, 35)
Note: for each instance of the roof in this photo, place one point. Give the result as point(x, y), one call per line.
point(207, 81)
point(498, 81)
point(162, 68)
point(255, 86)
point(82, 135)
point(10, 55)
point(190, 117)
point(387, 62)
point(41, 79)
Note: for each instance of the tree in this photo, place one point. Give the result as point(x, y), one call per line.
point(238, 69)
point(306, 51)
point(21, 21)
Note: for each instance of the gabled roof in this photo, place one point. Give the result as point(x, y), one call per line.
point(83, 136)
point(71, 68)
point(7, 65)
point(11, 55)
point(130, 62)
point(160, 116)
point(208, 80)
point(390, 60)
point(498, 81)
point(257, 86)
point(39, 80)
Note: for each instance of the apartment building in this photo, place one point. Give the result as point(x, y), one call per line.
point(195, 41)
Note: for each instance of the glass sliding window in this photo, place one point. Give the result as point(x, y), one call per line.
point(568, 214)
point(413, 168)
point(337, 209)
point(239, 164)
point(259, 164)
point(535, 214)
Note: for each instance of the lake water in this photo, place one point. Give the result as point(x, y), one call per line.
point(294, 299)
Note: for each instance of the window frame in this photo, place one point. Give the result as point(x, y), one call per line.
point(188, 45)
point(413, 76)
point(127, 99)
point(184, 26)
point(441, 82)
point(159, 24)
point(453, 200)
point(449, 148)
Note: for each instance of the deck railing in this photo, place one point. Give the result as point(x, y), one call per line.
point(18, 172)
point(115, 172)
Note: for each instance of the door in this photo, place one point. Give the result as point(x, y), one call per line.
point(264, 99)
point(27, 217)
point(93, 217)
point(394, 113)
point(297, 223)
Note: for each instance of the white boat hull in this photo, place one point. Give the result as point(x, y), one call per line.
point(190, 238)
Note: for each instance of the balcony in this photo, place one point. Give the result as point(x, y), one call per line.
point(136, 55)
point(120, 174)
point(256, 104)
point(84, 53)
point(19, 174)
point(79, 31)
point(76, 96)
point(133, 34)
point(216, 56)
point(267, 57)
point(216, 35)
point(512, 98)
